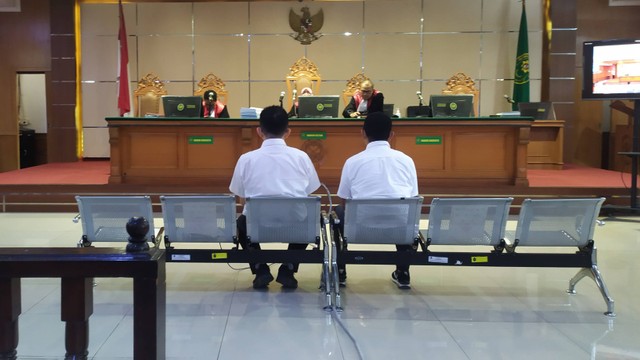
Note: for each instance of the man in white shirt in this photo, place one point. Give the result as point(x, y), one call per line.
point(274, 169)
point(378, 172)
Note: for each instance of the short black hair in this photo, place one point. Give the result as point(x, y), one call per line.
point(274, 121)
point(210, 92)
point(377, 126)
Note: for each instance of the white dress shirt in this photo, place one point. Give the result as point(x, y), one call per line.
point(274, 169)
point(378, 172)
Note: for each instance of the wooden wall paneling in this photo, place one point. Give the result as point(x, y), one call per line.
point(62, 133)
point(25, 47)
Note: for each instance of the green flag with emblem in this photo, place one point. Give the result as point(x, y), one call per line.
point(521, 76)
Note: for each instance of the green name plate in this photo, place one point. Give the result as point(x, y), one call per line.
point(428, 140)
point(199, 140)
point(313, 135)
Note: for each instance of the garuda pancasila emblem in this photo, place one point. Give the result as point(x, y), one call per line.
point(306, 26)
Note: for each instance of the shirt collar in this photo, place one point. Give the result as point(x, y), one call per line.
point(378, 144)
point(273, 142)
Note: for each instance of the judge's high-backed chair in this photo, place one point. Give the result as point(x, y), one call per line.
point(353, 85)
point(302, 74)
point(147, 98)
point(462, 83)
point(212, 82)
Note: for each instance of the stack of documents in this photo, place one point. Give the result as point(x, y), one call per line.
point(250, 112)
point(509, 113)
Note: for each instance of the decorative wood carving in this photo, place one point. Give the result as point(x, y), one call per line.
point(303, 73)
point(146, 97)
point(462, 83)
point(353, 85)
point(212, 82)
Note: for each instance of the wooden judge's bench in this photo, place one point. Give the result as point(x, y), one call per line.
point(447, 152)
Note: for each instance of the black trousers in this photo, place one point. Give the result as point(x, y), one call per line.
point(340, 227)
point(241, 224)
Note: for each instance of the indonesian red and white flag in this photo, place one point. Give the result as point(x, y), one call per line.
point(124, 92)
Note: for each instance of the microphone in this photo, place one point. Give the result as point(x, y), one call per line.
point(419, 93)
point(210, 97)
point(281, 96)
point(509, 99)
point(295, 92)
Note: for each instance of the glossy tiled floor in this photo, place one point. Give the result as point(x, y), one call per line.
point(450, 313)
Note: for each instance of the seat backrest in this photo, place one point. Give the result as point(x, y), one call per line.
point(462, 83)
point(199, 218)
point(104, 218)
point(147, 98)
point(468, 221)
point(283, 219)
point(382, 221)
point(212, 82)
point(302, 74)
point(557, 222)
point(353, 85)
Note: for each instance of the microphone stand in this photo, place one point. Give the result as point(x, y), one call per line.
point(282, 106)
point(293, 103)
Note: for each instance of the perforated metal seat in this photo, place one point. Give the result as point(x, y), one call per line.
point(283, 219)
point(104, 218)
point(382, 221)
point(199, 218)
point(468, 221)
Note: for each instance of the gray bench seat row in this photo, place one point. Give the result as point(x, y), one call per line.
point(477, 224)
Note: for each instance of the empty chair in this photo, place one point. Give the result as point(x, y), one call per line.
point(199, 218)
point(556, 222)
point(148, 95)
point(104, 218)
point(563, 223)
point(468, 221)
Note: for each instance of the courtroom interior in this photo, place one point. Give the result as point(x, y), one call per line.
point(65, 130)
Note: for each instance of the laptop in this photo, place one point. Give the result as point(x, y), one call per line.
point(324, 106)
point(452, 105)
point(181, 106)
point(537, 110)
point(387, 109)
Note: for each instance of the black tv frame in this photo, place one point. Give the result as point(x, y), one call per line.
point(587, 69)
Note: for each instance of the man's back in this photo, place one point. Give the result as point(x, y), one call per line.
point(378, 172)
point(274, 169)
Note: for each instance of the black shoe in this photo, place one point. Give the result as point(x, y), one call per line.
point(262, 280)
point(285, 277)
point(402, 279)
point(342, 277)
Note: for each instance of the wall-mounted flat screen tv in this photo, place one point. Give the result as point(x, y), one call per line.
point(611, 69)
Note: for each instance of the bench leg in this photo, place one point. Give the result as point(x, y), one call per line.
point(326, 278)
point(334, 275)
point(10, 308)
point(77, 307)
point(594, 274)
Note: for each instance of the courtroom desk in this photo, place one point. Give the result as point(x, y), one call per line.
point(76, 267)
point(446, 151)
point(545, 150)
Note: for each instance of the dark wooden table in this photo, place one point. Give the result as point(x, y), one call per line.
point(76, 267)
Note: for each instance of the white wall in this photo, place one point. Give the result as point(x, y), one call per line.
point(33, 102)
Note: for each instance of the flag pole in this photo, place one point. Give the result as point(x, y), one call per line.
point(124, 91)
